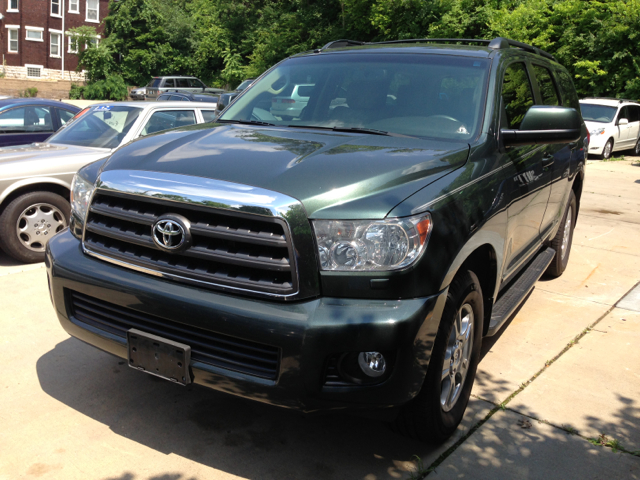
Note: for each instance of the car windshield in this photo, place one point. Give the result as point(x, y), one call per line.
point(417, 95)
point(104, 126)
point(598, 113)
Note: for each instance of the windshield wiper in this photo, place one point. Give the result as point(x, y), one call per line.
point(246, 122)
point(371, 131)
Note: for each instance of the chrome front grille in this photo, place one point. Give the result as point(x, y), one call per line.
point(230, 249)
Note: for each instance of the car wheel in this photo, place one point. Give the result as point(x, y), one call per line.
point(29, 221)
point(435, 413)
point(561, 243)
point(636, 149)
point(608, 149)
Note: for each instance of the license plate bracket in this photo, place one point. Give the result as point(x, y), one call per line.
point(159, 356)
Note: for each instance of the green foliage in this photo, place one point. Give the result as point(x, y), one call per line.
point(111, 88)
point(76, 92)
point(29, 92)
point(225, 41)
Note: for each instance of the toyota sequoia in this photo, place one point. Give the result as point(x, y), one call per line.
point(352, 255)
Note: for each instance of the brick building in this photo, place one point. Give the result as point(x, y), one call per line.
point(35, 40)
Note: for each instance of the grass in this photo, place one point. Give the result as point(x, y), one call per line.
point(419, 472)
point(605, 441)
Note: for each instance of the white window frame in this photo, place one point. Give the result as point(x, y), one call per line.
point(17, 29)
point(59, 3)
point(87, 19)
point(77, 10)
point(69, 44)
point(53, 32)
point(34, 29)
point(28, 66)
point(13, 10)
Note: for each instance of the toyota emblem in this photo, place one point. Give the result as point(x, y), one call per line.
point(171, 233)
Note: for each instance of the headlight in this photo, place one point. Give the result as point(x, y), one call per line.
point(596, 131)
point(81, 191)
point(371, 245)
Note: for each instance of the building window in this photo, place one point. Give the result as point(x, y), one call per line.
point(13, 6)
point(34, 71)
point(13, 40)
point(55, 8)
point(55, 45)
point(34, 34)
point(92, 11)
point(73, 45)
point(74, 6)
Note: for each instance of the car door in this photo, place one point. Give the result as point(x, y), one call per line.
point(634, 124)
point(25, 124)
point(623, 131)
point(557, 157)
point(166, 119)
point(529, 188)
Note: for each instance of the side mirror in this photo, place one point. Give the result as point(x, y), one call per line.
point(623, 121)
point(545, 125)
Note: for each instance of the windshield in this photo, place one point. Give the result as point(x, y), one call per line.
point(598, 113)
point(104, 126)
point(418, 95)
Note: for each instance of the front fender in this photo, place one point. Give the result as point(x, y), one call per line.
point(9, 186)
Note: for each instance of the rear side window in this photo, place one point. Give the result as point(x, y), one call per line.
point(569, 95)
point(209, 115)
point(634, 113)
point(29, 119)
point(545, 83)
point(169, 83)
point(182, 83)
point(517, 96)
point(155, 83)
point(168, 119)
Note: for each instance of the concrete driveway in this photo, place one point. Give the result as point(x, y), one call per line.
point(563, 372)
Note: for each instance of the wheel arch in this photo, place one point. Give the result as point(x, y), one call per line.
point(576, 187)
point(40, 184)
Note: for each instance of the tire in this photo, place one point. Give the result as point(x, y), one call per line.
point(635, 151)
point(428, 417)
point(29, 221)
point(561, 243)
point(607, 151)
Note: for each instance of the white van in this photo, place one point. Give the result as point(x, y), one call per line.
point(613, 124)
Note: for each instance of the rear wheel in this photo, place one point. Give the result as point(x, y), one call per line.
point(29, 221)
point(561, 243)
point(636, 149)
point(608, 149)
point(435, 413)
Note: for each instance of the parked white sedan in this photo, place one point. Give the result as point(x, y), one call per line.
point(35, 179)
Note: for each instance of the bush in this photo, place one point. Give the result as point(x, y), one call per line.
point(29, 92)
point(112, 88)
point(76, 92)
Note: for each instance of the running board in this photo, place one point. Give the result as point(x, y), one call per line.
point(515, 295)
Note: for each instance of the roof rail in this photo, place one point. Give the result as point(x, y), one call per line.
point(498, 43)
point(621, 100)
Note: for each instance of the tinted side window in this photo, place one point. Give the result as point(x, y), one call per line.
point(209, 115)
point(623, 113)
point(195, 83)
point(517, 96)
point(65, 116)
point(162, 98)
point(545, 83)
point(182, 83)
point(169, 83)
point(26, 119)
point(169, 119)
point(569, 96)
point(634, 113)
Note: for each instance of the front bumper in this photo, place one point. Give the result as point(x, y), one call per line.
point(307, 333)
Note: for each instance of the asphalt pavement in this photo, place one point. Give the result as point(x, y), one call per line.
point(557, 393)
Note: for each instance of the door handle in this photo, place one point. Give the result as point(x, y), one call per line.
point(547, 161)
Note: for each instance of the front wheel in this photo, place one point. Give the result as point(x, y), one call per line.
point(636, 149)
point(29, 221)
point(608, 149)
point(561, 243)
point(435, 413)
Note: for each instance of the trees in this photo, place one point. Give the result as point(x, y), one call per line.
point(224, 41)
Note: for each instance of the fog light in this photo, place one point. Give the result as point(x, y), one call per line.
point(372, 364)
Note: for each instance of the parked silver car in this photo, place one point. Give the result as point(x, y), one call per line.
point(35, 179)
point(159, 85)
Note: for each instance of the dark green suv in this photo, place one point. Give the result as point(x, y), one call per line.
point(352, 257)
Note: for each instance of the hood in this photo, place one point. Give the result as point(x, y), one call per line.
point(594, 125)
point(334, 175)
point(45, 159)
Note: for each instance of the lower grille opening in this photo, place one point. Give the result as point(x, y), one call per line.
point(207, 347)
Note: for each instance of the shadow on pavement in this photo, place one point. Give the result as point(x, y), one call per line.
point(228, 433)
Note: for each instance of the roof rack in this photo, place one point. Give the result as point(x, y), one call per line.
point(621, 100)
point(498, 43)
